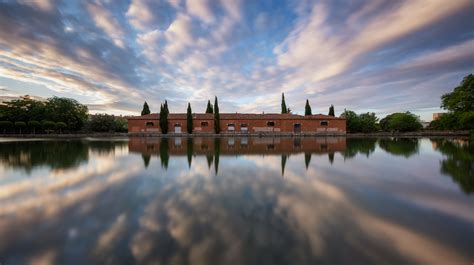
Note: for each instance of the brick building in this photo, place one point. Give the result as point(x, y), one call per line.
point(238, 123)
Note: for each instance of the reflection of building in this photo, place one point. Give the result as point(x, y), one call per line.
point(437, 115)
point(237, 145)
point(242, 123)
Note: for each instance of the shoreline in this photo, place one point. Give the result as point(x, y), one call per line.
point(173, 135)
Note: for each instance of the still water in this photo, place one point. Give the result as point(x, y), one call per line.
point(237, 201)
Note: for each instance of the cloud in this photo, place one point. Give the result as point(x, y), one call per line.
point(105, 20)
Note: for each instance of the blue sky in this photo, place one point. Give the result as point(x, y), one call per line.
point(380, 56)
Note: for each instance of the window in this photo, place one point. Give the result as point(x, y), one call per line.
point(244, 127)
point(324, 123)
point(271, 123)
point(231, 127)
point(149, 124)
point(204, 123)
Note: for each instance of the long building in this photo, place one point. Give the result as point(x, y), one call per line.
point(240, 123)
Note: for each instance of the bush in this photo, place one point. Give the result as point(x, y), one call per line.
point(48, 126)
point(454, 121)
point(366, 122)
point(33, 125)
point(20, 125)
point(401, 122)
point(60, 126)
point(5, 125)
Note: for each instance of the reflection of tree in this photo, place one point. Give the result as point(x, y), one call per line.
point(283, 164)
point(54, 154)
point(362, 146)
point(217, 152)
point(190, 151)
point(209, 159)
point(400, 146)
point(164, 153)
point(331, 158)
point(307, 159)
point(459, 162)
point(146, 159)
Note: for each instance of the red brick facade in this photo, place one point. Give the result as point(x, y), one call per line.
point(237, 123)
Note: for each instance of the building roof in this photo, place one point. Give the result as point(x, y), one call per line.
point(237, 116)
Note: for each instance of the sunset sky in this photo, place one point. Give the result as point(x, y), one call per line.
point(380, 56)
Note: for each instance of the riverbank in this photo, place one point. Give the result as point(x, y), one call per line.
point(349, 135)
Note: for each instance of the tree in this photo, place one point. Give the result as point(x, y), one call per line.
point(33, 125)
point(189, 119)
point(66, 110)
point(217, 124)
point(5, 125)
point(307, 109)
point(462, 98)
point(48, 126)
point(60, 126)
point(20, 125)
point(209, 108)
point(331, 111)
point(366, 122)
point(284, 109)
point(164, 118)
point(146, 109)
point(402, 122)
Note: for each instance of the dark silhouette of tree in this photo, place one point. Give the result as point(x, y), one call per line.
point(217, 153)
point(20, 125)
point(307, 159)
point(283, 164)
point(189, 119)
point(307, 109)
point(331, 158)
point(284, 109)
point(209, 159)
point(146, 159)
point(146, 109)
point(164, 153)
point(190, 150)
point(331, 111)
point(209, 108)
point(33, 125)
point(164, 117)
point(217, 124)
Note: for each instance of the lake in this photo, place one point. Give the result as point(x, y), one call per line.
point(237, 201)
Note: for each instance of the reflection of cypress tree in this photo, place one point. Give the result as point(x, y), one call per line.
point(362, 146)
point(190, 151)
point(209, 160)
point(307, 159)
point(283, 164)
point(459, 162)
point(217, 152)
point(164, 155)
point(146, 159)
point(331, 158)
point(400, 147)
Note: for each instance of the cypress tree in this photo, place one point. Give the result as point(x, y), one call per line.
point(209, 108)
point(146, 109)
point(307, 109)
point(331, 111)
point(217, 124)
point(164, 118)
point(189, 119)
point(284, 109)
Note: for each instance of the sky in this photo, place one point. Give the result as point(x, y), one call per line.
point(379, 56)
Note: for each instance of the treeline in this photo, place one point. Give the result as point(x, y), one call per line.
point(460, 115)
point(54, 115)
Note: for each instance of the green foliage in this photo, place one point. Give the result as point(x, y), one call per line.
point(356, 146)
point(33, 125)
point(164, 117)
point(60, 126)
point(217, 118)
point(209, 108)
point(106, 123)
point(284, 109)
point(48, 126)
point(20, 125)
point(307, 109)
point(331, 111)
point(454, 121)
point(5, 126)
point(67, 110)
point(189, 119)
point(146, 109)
point(401, 122)
point(462, 98)
point(365, 123)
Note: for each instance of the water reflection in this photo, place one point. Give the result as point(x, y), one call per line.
point(223, 201)
point(400, 146)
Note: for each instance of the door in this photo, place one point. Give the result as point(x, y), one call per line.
point(177, 128)
point(297, 128)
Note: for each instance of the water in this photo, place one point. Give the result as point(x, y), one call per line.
point(237, 201)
